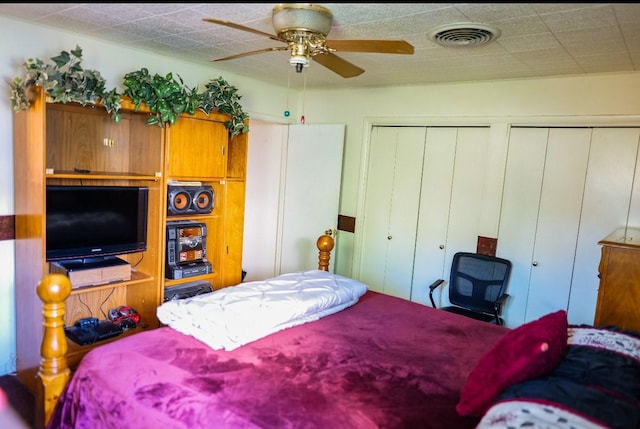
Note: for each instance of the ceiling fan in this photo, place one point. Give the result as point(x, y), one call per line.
point(304, 28)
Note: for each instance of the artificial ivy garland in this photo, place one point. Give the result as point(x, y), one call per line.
point(64, 80)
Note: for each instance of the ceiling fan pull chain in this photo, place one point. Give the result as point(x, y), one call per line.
point(304, 96)
point(287, 112)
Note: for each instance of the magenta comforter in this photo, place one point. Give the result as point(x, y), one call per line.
point(383, 363)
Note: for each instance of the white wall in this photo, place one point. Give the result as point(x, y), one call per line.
point(24, 40)
point(606, 98)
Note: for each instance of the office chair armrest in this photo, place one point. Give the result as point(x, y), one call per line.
point(435, 284)
point(432, 287)
point(500, 302)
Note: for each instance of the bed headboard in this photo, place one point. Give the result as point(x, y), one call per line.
point(54, 373)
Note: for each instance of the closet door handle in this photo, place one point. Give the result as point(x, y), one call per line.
point(535, 263)
point(389, 237)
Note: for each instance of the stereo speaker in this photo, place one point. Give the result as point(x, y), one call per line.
point(183, 199)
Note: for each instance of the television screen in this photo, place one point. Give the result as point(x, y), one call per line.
point(95, 221)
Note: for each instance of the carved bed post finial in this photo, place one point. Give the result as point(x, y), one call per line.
point(53, 373)
point(325, 246)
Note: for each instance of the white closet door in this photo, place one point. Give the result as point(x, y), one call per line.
point(435, 200)
point(453, 191)
point(312, 193)
point(391, 209)
point(468, 190)
point(521, 198)
point(558, 221)
point(605, 207)
point(542, 203)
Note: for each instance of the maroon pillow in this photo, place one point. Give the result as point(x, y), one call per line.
point(528, 351)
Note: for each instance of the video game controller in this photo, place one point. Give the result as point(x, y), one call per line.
point(87, 323)
point(126, 324)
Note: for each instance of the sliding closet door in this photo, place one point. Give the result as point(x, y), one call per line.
point(391, 209)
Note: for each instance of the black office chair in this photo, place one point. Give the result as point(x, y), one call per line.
point(477, 286)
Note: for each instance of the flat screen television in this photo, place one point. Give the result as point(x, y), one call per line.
point(90, 223)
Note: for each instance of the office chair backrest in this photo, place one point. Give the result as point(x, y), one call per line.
point(477, 281)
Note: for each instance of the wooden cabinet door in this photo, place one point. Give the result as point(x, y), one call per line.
point(197, 149)
point(619, 292)
point(233, 229)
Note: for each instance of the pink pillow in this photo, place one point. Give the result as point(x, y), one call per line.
point(528, 351)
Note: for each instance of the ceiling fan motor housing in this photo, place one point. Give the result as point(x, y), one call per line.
point(301, 17)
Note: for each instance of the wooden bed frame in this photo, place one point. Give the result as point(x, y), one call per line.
point(54, 373)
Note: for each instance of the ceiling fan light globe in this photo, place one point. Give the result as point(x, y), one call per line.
point(300, 16)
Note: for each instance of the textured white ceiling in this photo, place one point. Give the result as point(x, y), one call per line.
point(538, 39)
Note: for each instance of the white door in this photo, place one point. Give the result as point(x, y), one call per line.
point(293, 188)
point(394, 177)
point(433, 222)
point(558, 221)
point(605, 207)
point(424, 193)
point(542, 204)
point(265, 158)
point(450, 204)
point(520, 201)
point(311, 194)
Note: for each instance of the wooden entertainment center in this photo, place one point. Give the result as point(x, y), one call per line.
point(70, 144)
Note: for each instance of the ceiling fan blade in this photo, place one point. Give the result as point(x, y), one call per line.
point(375, 46)
point(337, 65)
point(245, 54)
point(243, 28)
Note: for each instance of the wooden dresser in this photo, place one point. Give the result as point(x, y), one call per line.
point(619, 292)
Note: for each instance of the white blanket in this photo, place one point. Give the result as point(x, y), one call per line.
point(233, 316)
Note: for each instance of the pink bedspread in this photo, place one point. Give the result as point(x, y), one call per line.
point(383, 363)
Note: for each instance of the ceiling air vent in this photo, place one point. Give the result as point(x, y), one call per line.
point(463, 34)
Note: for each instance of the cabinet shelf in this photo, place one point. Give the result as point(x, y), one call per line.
point(136, 278)
point(76, 351)
point(103, 176)
point(209, 277)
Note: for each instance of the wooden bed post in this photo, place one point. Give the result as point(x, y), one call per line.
point(325, 246)
point(53, 374)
